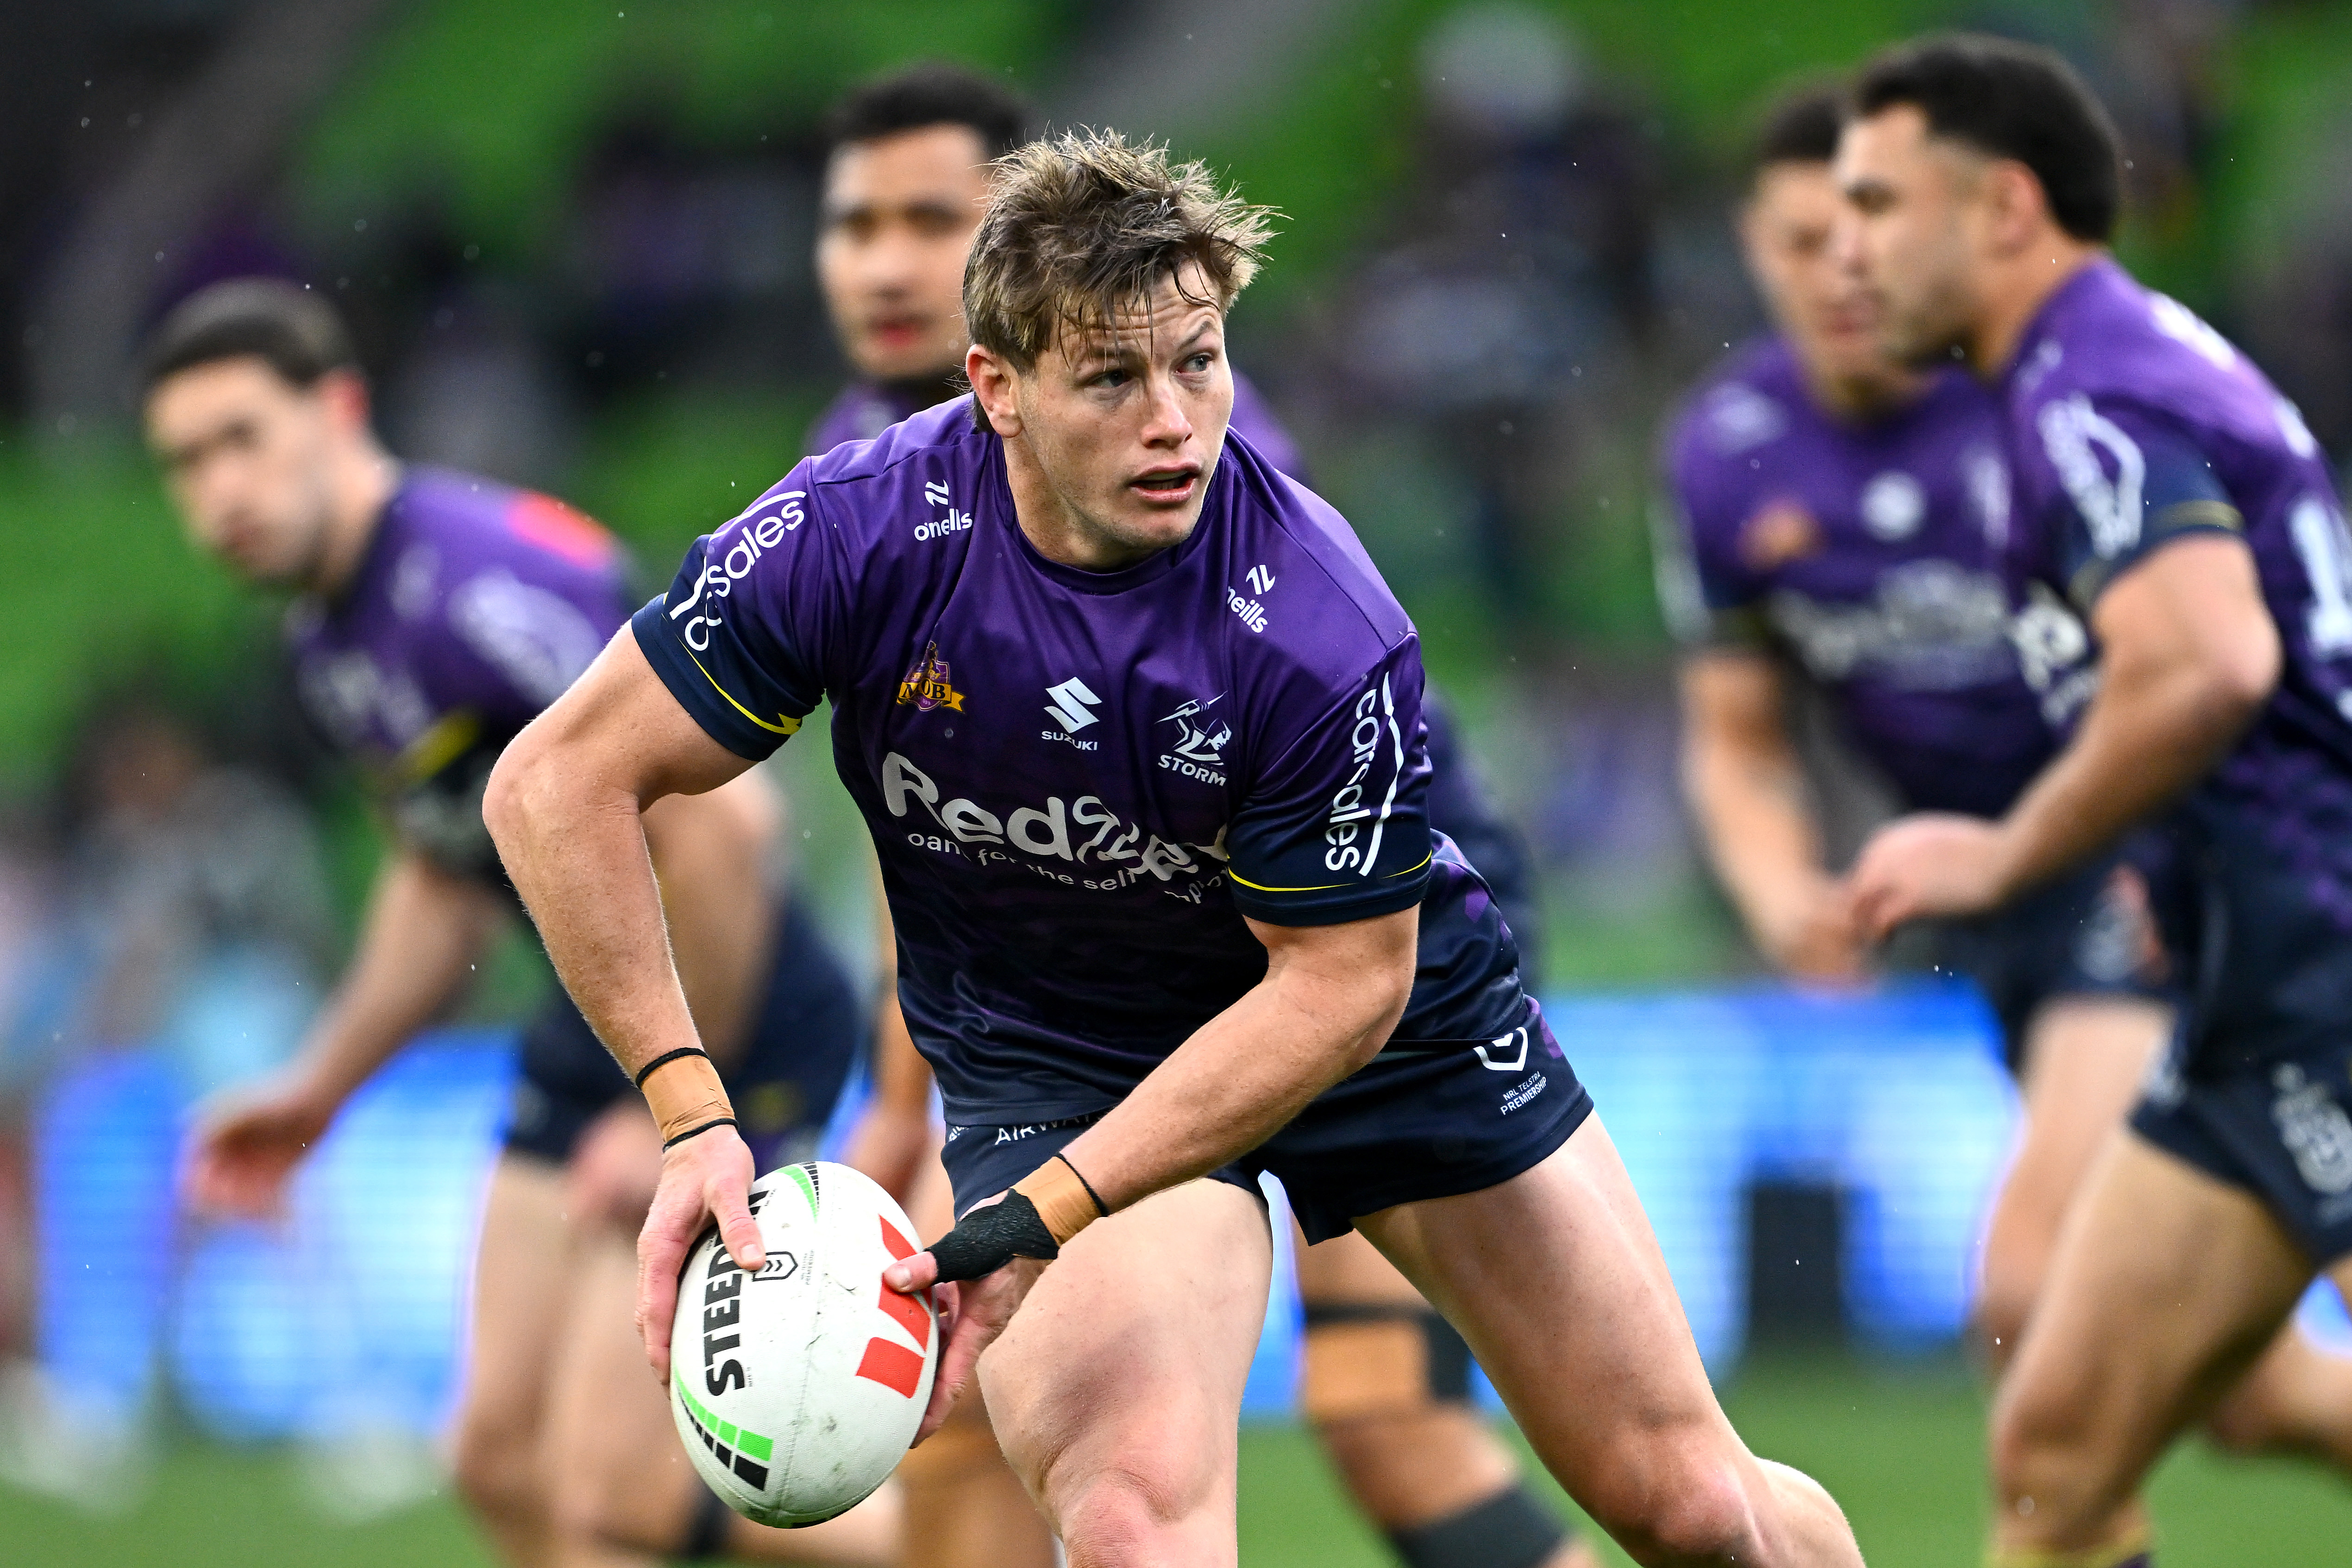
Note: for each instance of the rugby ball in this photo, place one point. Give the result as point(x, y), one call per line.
point(797, 1389)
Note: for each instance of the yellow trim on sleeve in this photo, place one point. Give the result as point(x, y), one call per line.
point(789, 725)
point(1327, 886)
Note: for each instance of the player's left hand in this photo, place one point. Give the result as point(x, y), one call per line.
point(1927, 865)
point(975, 1307)
point(707, 1177)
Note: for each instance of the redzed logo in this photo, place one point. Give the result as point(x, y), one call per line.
point(887, 1363)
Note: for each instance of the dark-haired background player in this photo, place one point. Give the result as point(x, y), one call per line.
point(1841, 521)
point(1384, 1380)
point(2168, 494)
point(436, 615)
point(1140, 985)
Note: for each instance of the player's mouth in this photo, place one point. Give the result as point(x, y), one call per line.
point(897, 331)
point(1167, 487)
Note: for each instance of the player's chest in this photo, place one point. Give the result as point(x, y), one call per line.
point(1102, 745)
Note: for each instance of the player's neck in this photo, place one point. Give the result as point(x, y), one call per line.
point(2015, 294)
point(926, 390)
point(1052, 525)
point(1864, 395)
point(361, 485)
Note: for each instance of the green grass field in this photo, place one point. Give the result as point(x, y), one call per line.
point(1898, 1447)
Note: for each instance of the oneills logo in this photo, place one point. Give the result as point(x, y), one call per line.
point(926, 684)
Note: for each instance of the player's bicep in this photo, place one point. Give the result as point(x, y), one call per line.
point(1336, 828)
point(2129, 483)
point(1732, 699)
point(2195, 607)
point(620, 727)
point(1354, 956)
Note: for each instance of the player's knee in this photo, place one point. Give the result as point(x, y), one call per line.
point(495, 1463)
point(2041, 1444)
point(1684, 1500)
point(1999, 1321)
point(1131, 1513)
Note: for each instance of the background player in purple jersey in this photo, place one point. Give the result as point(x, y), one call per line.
point(437, 615)
point(1140, 984)
point(1841, 519)
point(1384, 1380)
point(2166, 493)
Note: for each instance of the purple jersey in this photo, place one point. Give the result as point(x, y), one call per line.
point(2132, 423)
point(1871, 552)
point(474, 607)
point(864, 409)
point(1078, 783)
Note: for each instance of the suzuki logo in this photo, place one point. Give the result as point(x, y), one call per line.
point(1261, 581)
point(1070, 706)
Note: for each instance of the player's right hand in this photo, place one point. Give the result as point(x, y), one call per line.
point(247, 1143)
point(707, 1177)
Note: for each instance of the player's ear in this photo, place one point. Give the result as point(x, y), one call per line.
point(2013, 204)
point(992, 381)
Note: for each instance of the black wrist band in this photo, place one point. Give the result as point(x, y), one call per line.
point(988, 1238)
point(1101, 1207)
point(692, 1131)
point(664, 1059)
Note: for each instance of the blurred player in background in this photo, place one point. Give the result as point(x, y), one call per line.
point(1386, 1382)
point(2166, 494)
point(436, 614)
point(1140, 986)
point(1838, 520)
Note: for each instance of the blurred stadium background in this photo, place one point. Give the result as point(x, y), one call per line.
point(574, 238)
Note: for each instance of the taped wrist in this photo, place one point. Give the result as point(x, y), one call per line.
point(686, 1097)
point(1064, 1200)
point(988, 1238)
point(1509, 1529)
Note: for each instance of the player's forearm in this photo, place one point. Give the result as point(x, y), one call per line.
point(1249, 1071)
point(2151, 731)
point(1759, 833)
point(424, 931)
point(575, 848)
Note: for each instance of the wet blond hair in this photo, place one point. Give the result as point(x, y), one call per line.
point(1083, 223)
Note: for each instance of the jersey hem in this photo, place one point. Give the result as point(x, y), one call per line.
point(1383, 898)
point(699, 693)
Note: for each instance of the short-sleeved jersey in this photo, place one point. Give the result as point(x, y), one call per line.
point(2131, 423)
point(1080, 782)
point(474, 607)
point(1870, 553)
point(864, 409)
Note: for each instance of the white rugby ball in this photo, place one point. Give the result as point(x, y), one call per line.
point(797, 1389)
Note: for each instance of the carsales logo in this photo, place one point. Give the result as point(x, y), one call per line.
point(779, 515)
point(1375, 730)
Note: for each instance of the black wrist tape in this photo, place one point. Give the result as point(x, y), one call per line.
point(986, 1239)
point(693, 1131)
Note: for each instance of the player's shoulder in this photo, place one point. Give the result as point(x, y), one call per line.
point(932, 462)
point(1751, 402)
point(859, 412)
point(2108, 347)
point(1298, 589)
point(472, 523)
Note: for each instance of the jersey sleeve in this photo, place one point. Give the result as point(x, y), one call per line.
point(741, 636)
point(1708, 599)
point(1336, 827)
point(2128, 482)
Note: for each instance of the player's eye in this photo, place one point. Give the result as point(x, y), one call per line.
point(1198, 364)
point(1115, 376)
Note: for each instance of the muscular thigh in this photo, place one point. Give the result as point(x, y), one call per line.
point(1130, 1353)
point(2166, 1286)
point(519, 1269)
point(2085, 1059)
point(1555, 1280)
